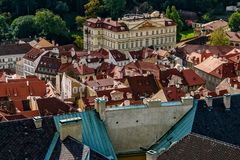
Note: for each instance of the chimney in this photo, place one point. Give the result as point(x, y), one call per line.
point(100, 106)
point(37, 121)
point(151, 155)
point(188, 100)
point(27, 83)
point(227, 101)
point(209, 100)
point(71, 127)
point(53, 42)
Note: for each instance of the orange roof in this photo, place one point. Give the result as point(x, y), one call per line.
point(19, 90)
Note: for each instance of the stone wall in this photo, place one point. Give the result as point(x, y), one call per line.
point(133, 127)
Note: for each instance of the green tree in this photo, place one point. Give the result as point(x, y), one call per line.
point(234, 21)
point(115, 7)
point(79, 21)
point(3, 28)
point(61, 7)
point(50, 25)
point(24, 26)
point(78, 41)
point(168, 12)
point(92, 8)
point(176, 18)
point(219, 38)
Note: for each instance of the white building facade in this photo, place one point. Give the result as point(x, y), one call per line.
point(132, 32)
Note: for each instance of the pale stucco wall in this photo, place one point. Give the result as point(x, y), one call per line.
point(130, 129)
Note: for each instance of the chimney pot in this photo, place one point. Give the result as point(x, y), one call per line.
point(38, 121)
point(209, 100)
point(227, 101)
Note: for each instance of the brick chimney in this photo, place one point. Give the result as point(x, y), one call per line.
point(100, 106)
point(71, 127)
point(227, 101)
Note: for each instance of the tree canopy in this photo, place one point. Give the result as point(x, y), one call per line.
point(219, 38)
point(50, 24)
point(24, 26)
point(234, 22)
point(115, 7)
point(3, 27)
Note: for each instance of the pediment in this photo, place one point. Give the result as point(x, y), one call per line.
point(146, 24)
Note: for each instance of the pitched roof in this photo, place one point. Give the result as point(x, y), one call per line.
point(194, 146)
point(43, 43)
point(216, 122)
point(233, 36)
point(110, 101)
point(141, 54)
point(118, 56)
point(192, 78)
point(100, 83)
point(48, 65)
point(217, 67)
point(215, 25)
point(13, 49)
point(53, 106)
point(165, 75)
point(71, 148)
point(33, 54)
point(20, 138)
point(19, 89)
point(172, 93)
point(106, 23)
point(94, 133)
point(143, 86)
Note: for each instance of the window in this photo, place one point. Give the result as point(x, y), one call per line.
point(147, 33)
point(75, 90)
point(136, 34)
point(153, 32)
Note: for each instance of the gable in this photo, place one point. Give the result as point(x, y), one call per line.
point(146, 24)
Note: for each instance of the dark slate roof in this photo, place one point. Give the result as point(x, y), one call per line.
point(11, 49)
point(198, 147)
point(71, 149)
point(217, 122)
point(20, 139)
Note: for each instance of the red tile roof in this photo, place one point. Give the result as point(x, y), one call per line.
point(165, 75)
point(118, 56)
point(192, 78)
point(173, 93)
point(143, 87)
point(33, 54)
point(233, 36)
point(106, 23)
point(141, 54)
point(53, 106)
point(19, 90)
point(101, 53)
point(215, 25)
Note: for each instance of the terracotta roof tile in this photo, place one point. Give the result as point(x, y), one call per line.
point(118, 56)
point(192, 78)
